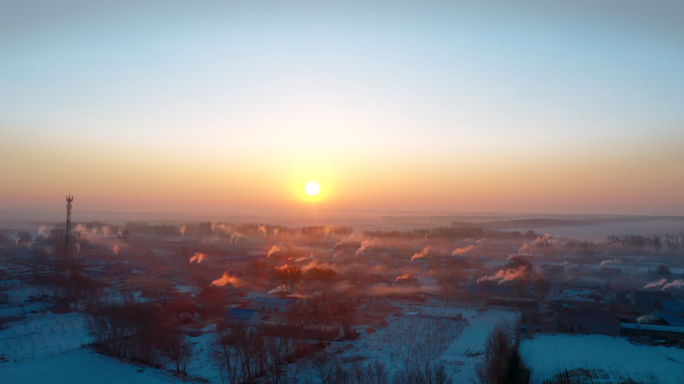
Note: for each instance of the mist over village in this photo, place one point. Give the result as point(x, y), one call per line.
point(309, 192)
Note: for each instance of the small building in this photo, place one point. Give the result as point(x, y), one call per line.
point(673, 321)
point(242, 317)
point(659, 332)
point(589, 323)
point(265, 304)
point(648, 300)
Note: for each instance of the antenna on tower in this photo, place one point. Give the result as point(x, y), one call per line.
point(69, 199)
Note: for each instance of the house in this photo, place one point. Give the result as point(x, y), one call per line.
point(589, 323)
point(660, 332)
point(648, 300)
point(242, 317)
point(265, 304)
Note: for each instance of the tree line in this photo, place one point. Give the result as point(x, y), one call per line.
point(656, 244)
point(139, 332)
point(428, 233)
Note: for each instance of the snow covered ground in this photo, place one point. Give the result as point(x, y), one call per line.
point(44, 335)
point(50, 346)
point(427, 333)
point(466, 351)
point(606, 359)
point(79, 367)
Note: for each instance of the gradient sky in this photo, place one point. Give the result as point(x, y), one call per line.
point(555, 107)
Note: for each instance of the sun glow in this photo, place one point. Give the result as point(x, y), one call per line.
point(312, 188)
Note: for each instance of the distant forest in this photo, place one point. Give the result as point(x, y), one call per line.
point(433, 233)
point(555, 223)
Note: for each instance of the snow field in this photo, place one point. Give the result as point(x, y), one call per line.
point(42, 336)
point(404, 340)
point(466, 351)
point(606, 359)
point(83, 366)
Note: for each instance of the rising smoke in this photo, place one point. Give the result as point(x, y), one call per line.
point(655, 283)
point(274, 249)
point(422, 253)
point(198, 257)
point(227, 279)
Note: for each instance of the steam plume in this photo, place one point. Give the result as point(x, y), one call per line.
point(116, 249)
point(645, 318)
point(274, 249)
point(182, 230)
point(262, 229)
point(105, 230)
point(94, 230)
point(422, 253)
point(225, 279)
point(459, 251)
point(525, 271)
point(280, 288)
point(365, 244)
point(655, 283)
point(674, 284)
point(41, 230)
point(611, 262)
point(504, 275)
point(199, 257)
point(403, 277)
point(81, 228)
point(345, 240)
point(542, 243)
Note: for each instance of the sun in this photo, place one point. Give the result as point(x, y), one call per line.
point(312, 188)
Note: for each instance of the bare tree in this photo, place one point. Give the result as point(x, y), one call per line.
point(493, 368)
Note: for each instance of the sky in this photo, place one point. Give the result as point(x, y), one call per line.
point(550, 107)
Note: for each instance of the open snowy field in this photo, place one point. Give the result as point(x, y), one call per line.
point(427, 334)
point(600, 359)
point(83, 366)
point(42, 336)
point(466, 351)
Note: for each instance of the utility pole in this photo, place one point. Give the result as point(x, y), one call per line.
point(67, 253)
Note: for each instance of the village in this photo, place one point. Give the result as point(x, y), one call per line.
point(400, 300)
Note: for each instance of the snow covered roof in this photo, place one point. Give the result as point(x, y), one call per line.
point(673, 306)
point(673, 321)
